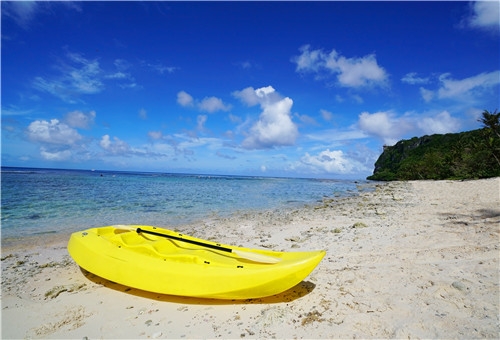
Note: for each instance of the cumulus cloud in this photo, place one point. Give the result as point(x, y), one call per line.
point(207, 104)
point(115, 146)
point(329, 161)
point(78, 119)
point(247, 96)
point(252, 97)
point(390, 128)
point(350, 72)
point(184, 99)
point(274, 126)
point(213, 104)
point(55, 155)
point(356, 162)
point(485, 15)
point(441, 123)
point(383, 125)
point(52, 132)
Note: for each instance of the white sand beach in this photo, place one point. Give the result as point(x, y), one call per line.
point(415, 259)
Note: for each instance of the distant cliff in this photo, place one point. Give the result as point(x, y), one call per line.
point(465, 155)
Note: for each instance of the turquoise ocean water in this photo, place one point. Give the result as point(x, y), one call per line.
point(38, 201)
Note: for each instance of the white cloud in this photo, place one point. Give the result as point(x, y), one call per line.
point(390, 128)
point(235, 119)
point(118, 75)
point(122, 64)
point(306, 119)
point(131, 85)
point(78, 119)
point(155, 135)
point(14, 110)
point(184, 99)
point(310, 60)
point(411, 78)
point(327, 115)
point(350, 72)
point(82, 77)
point(467, 87)
point(225, 156)
point(331, 162)
point(56, 155)
point(53, 132)
point(22, 12)
point(115, 146)
point(485, 15)
point(213, 104)
point(328, 161)
point(245, 64)
point(358, 99)
point(427, 95)
point(356, 72)
point(208, 104)
point(262, 95)
point(247, 96)
point(332, 136)
point(383, 125)
point(201, 120)
point(275, 126)
point(441, 123)
point(143, 114)
point(161, 69)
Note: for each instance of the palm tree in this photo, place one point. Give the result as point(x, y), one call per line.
point(491, 121)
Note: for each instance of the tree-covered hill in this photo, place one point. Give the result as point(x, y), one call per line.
point(465, 155)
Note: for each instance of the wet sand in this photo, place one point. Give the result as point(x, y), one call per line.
point(415, 259)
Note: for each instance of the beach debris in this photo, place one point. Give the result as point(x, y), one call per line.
point(57, 290)
point(459, 285)
point(272, 316)
point(359, 225)
point(311, 317)
point(69, 319)
point(157, 335)
point(7, 257)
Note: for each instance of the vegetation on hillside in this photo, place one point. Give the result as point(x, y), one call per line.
point(465, 155)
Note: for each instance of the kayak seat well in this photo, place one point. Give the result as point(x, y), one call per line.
point(160, 248)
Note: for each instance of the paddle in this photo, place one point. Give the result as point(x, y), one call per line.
point(243, 254)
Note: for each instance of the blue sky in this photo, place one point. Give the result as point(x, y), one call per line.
point(297, 89)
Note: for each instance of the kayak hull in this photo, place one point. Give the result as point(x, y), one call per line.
point(162, 265)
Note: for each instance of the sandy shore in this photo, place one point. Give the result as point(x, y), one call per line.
point(408, 260)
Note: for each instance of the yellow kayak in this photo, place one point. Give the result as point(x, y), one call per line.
point(163, 261)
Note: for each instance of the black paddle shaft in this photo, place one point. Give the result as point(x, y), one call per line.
point(207, 245)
